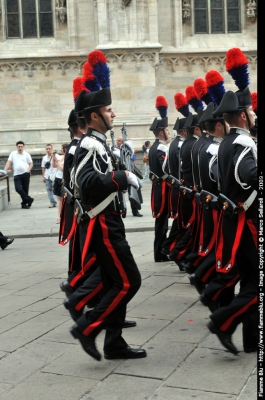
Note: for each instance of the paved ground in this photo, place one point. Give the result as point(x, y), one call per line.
point(39, 359)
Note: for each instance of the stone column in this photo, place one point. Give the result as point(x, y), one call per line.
point(153, 21)
point(177, 18)
point(72, 24)
point(103, 23)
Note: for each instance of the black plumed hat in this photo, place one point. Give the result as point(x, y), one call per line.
point(72, 118)
point(208, 114)
point(179, 124)
point(159, 124)
point(87, 101)
point(232, 102)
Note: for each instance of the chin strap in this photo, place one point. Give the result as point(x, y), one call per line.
point(104, 122)
point(246, 114)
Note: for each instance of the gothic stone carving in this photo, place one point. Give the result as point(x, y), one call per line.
point(61, 10)
point(186, 9)
point(126, 2)
point(206, 62)
point(251, 9)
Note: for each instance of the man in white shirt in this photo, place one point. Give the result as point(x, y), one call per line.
point(22, 165)
point(47, 169)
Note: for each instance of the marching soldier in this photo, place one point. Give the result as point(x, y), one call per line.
point(186, 203)
point(174, 168)
point(237, 234)
point(158, 163)
point(102, 222)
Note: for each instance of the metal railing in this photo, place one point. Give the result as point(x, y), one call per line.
point(6, 177)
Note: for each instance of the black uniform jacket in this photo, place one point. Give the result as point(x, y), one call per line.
point(186, 163)
point(95, 186)
point(229, 152)
point(69, 162)
point(173, 155)
point(158, 164)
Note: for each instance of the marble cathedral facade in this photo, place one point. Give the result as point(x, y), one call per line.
point(154, 47)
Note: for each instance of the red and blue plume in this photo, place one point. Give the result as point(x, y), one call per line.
point(78, 86)
point(254, 97)
point(215, 85)
point(237, 67)
point(100, 69)
point(181, 104)
point(90, 81)
point(192, 98)
point(161, 106)
point(201, 91)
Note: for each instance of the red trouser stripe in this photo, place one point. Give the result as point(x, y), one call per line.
point(253, 231)
point(208, 273)
point(230, 283)
point(192, 217)
point(173, 244)
point(118, 264)
point(62, 221)
point(203, 253)
point(71, 233)
point(86, 299)
point(163, 187)
point(72, 253)
point(182, 252)
point(219, 256)
point(89, 232)
point(226, 325)
point(83, 271)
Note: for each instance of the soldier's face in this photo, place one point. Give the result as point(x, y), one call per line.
point(108, 115)
point(251, 115)
point(167, 135)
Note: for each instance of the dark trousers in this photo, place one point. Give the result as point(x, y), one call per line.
point(3, 239)
point(22, 187)
point(120, 277)
point(89, 293)
point(244, 307)
point(161, 228)
point(221, 288)
point(172, 238)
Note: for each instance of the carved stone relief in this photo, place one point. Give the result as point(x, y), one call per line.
point(154, 58)
point(252, 9)
point(61, 10)
point(186, 9)
point(128, 23)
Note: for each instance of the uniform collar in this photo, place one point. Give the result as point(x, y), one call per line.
point(239, 131)
point(100, 136)
point(217, 139)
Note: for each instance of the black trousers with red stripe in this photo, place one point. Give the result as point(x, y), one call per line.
point(161, 228)
point(120, 277)
point(89, 293)
point(222, 286)
point(244, 307)
point(172, 238)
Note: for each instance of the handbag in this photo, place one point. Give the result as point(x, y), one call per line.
point(53, 174)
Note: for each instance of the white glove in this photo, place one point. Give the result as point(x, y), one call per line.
point(132, 180)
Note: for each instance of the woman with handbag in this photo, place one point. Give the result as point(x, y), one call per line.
point(58, 164)
point(146, 148)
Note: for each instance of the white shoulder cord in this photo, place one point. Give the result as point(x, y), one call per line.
point(211, 162)
point(96, 149)
point(240, 158)
point(163, 148)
